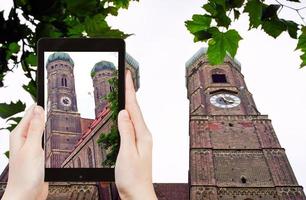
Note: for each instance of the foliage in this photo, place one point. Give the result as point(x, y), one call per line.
point(30, 20)
point(109, 141)
point(7, 154)
point(219, 14)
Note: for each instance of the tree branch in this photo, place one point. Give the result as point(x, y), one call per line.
point(297, 10)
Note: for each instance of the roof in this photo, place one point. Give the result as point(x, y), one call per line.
point(85, 124)
point(131, 61)
point(202, 52)
point(135, 65)
point(170, 191)
point(92, 125)
point(60, 56)
point(102, 65)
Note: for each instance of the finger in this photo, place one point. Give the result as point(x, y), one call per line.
point(44, 192)
point(18, 135)
point(36, 128)
point(127, 132)
point(133, 108)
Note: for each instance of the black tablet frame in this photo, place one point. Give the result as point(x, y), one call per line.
point(80, 44)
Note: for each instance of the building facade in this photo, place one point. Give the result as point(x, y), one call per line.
point(234, 151)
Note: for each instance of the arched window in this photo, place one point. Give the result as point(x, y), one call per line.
point(97, 92)
point(64, 81)
point(79, 163)
point(89, 155)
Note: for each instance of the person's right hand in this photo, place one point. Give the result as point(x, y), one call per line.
point(26, 163)
point(133, 171)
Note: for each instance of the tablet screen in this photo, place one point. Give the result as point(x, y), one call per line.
point(81, 106)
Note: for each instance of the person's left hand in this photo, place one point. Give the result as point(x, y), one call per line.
point(26, 162)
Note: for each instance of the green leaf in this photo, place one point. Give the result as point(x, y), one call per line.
point(303, 58)
point(47, 30)
point(234, 3)
point(210, 8)
point(222, 43)
point(274, 27)
point(7, 154)
point(81, 7)
point(14, 47)
point(198, 23)
point(292, 28)
point(7, 110)
point(302, 42)
point(302, 46)
point(270, 12)
point(75, 28)
point(254, 8)
point(31, 59)
point(221, 18)
point(15, 121)
point(219, 2)
point(97, 27)
point(201, 36)
point(121, 3)
point(31, 88)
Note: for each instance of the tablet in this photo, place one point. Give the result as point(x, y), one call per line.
point(81, 87)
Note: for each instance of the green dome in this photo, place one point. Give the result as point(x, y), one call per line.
point(60, 56)
point(102, 65)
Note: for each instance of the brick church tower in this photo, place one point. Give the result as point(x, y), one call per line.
point(63, 125)
point(100, 74)
point(234, 151)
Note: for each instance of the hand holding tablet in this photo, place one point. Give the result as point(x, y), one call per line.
point(81, 87)
point(27, 159)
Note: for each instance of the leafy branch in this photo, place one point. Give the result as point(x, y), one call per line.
point(28, 21)
point(218, 16)
point(297, 10)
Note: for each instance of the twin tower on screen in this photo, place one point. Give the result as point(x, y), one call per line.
point(70, 140)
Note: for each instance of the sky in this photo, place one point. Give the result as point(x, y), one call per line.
point(83, 64)
point(162, 45)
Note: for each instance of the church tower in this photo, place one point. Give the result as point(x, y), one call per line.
point(100, 74)
point(63, 126)
point(234, 151)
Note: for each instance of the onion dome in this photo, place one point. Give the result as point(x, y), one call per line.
point(102, 65)
point(60, 56)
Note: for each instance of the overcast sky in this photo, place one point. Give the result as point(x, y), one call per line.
point(162, 45)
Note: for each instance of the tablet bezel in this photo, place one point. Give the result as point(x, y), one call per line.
point(80, 44)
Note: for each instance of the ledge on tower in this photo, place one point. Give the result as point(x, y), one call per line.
point(202, 52)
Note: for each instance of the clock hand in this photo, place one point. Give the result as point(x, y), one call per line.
point(223, 100)
point(229, 100)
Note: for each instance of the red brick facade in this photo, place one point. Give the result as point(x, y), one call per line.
point(234, 151)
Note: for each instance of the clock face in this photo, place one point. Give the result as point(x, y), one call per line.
point(225, 100)
point(66, 101)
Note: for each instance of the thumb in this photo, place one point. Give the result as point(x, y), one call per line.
point(36, 127)
point(127, 132)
